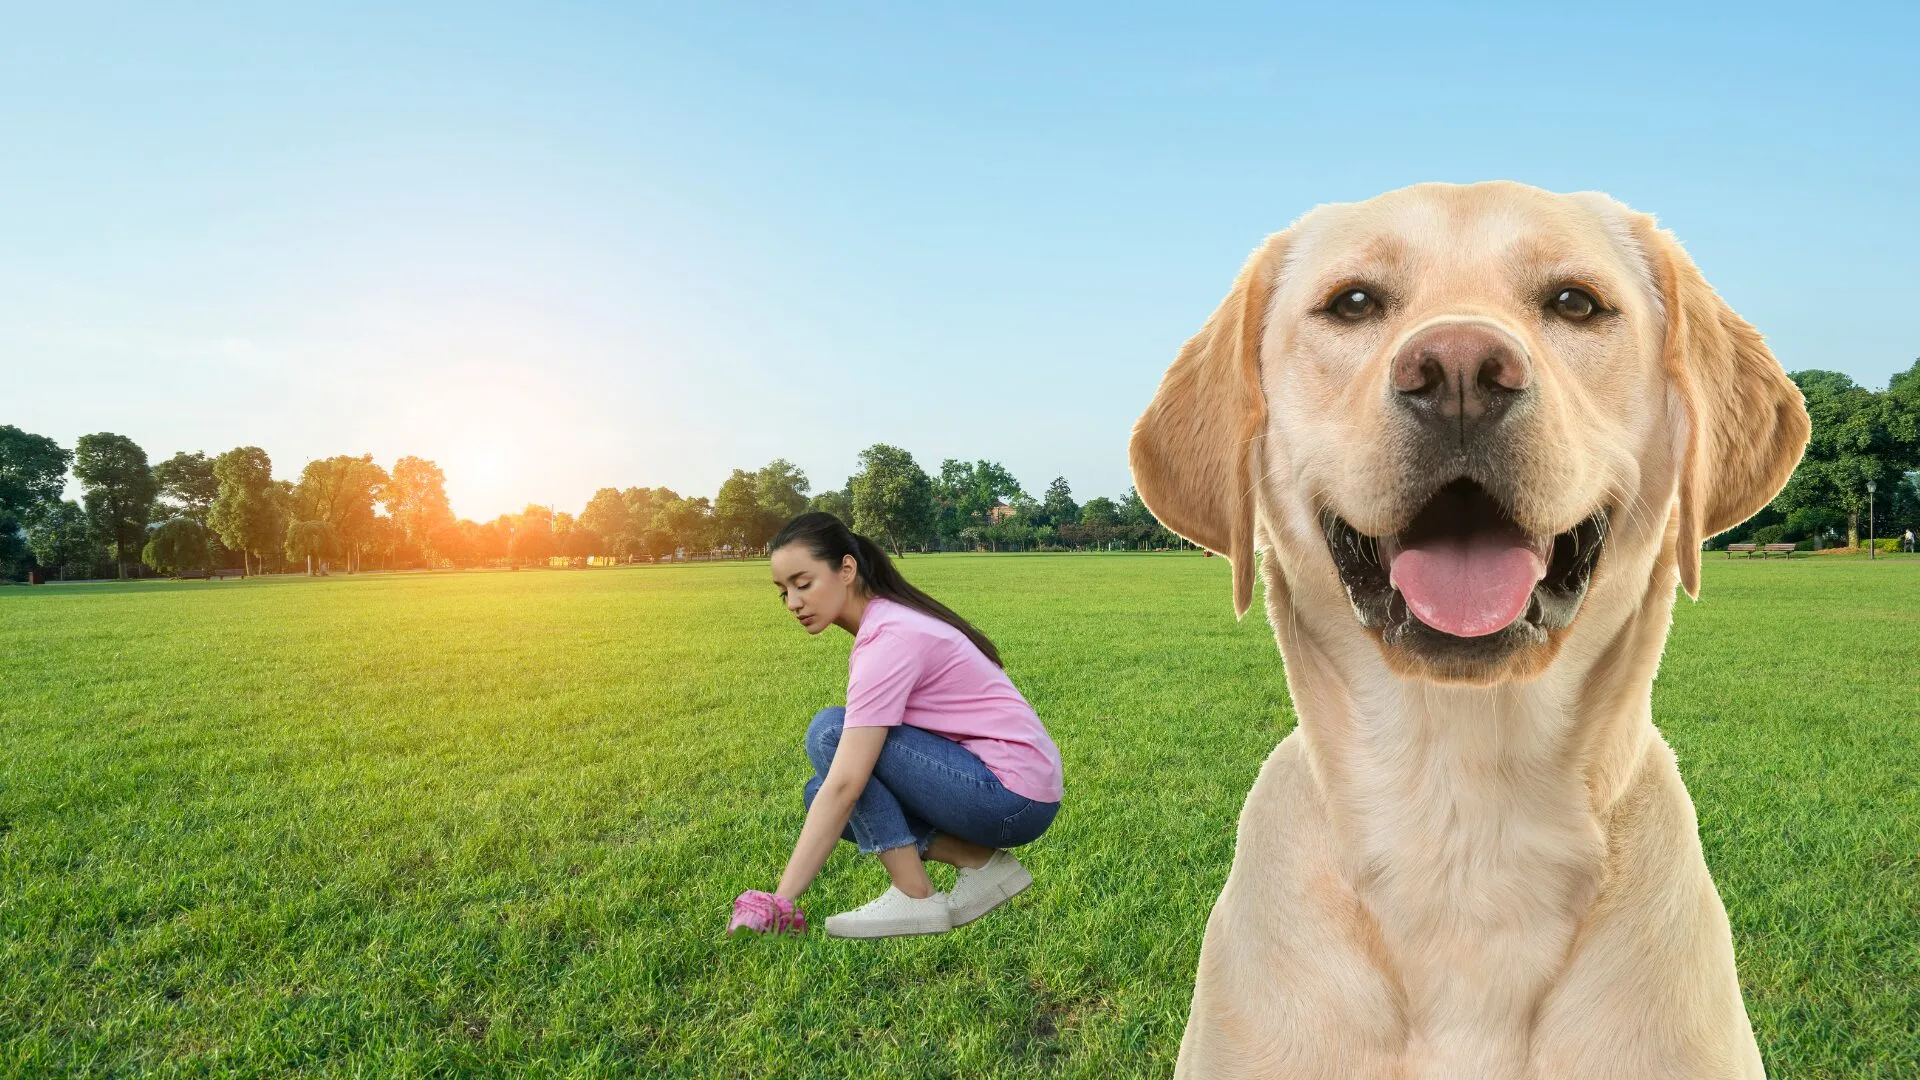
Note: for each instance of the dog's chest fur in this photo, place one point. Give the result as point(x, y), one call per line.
point(1475, 848)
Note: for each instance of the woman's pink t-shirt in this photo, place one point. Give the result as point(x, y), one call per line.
point(911, 668)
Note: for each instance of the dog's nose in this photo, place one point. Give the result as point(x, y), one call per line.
point(1462, 375)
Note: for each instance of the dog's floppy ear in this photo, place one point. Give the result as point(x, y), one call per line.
point(1193, 449)
point(1746, 421)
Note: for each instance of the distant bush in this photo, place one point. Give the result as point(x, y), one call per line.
point(1768, 534)
point(180, 544)
point(1889, 544)
point(1807, 522)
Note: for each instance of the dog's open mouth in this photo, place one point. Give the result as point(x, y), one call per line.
point(1462, 580)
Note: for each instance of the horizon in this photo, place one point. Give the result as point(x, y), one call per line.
point(581, 249)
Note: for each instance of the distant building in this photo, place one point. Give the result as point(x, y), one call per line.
point(999, 512)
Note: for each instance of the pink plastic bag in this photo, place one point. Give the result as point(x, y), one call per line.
point(766, 913)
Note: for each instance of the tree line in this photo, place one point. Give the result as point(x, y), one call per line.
point(1859, 436)
point(192, 511)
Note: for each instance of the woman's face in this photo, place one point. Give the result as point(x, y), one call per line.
point(815, 591)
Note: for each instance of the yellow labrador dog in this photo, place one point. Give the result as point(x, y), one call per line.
point(1479, 432)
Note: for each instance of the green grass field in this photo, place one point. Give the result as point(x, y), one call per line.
point(445, 824)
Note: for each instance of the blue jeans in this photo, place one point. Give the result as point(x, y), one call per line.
point(924, 784)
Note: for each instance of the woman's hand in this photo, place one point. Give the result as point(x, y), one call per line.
point(766, 913)
point(832, 805)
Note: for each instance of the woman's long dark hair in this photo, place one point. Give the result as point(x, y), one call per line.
point(830, 541)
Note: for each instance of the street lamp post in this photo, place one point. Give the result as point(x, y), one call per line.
point(1869, 521)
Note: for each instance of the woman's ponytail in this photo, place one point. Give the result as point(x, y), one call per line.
point(828, 539)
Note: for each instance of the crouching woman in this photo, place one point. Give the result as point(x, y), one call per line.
point(936, 755)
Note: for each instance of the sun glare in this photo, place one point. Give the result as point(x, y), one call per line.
point(477, 482)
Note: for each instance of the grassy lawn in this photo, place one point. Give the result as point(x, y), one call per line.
point(492, 823)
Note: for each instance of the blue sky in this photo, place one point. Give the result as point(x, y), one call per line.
point(557, 247)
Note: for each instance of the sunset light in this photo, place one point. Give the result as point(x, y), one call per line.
point(1256, 541)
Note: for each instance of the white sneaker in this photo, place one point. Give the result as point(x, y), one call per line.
point(893, 914)
point(979, 891)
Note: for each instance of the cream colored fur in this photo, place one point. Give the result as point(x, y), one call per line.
point(1489, 874)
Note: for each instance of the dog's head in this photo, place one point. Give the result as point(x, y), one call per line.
point(1460, 413)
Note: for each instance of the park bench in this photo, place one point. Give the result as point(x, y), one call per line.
point(226, 572)
point(1747, 548)
point(1778, 549)
point(193, 575)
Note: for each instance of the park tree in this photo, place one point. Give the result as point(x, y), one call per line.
point(950, 488)
point(1015, 531)
point(1141, 527)
point(1903, 508)
point(751, 506)
point(1012, 532)
point(16, 546)
point(1855, 438)
point(250, 512)
point(966, 493)
point(568, 536)
point(736, 510)
point(495, 539)
point(187, 485)
point(341, 491)
point(1902, 399)
point(582, 542)
point(533, 537)
point(1057, 508)
point(609, 519)
point(642, 506)
point(457, 542)
point(837, 503)
point(992, 486)
point(655, 543)
point(119, 490)
point(33, 472)
point(1804, 522)
point(652, 537)
point(179, 544)
point(315, 541)
point(416, 498)
point(1100, 523)
point(782, 490)
point(639, 503)
point(383, 539)
point(892, 497)
point(365, 483)
point(688, 523)
point(283, 503)
point(62, 540)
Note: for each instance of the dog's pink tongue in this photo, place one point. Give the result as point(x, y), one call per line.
point(1468, 587)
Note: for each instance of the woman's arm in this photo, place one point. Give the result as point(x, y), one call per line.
point(832, 805)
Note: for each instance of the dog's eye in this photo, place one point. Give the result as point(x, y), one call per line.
point(1354, 304)
point(1575, 305)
